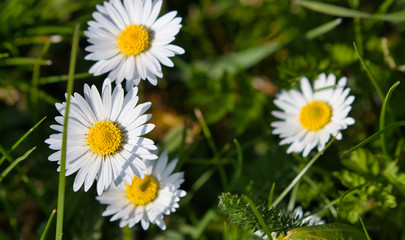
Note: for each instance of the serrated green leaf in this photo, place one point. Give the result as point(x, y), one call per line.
point(331, 231)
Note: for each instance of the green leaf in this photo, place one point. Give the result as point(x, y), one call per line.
point(391, 17)
point(234, 61)
point(14, 163)
point(331, 231)
point(23, 61)
point(363, 162)
point(332, 9)
point(321, 30)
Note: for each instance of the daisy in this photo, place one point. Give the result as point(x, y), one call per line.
point(129, 41)
point(310, 117)
point(103, 141)
point(146, 200)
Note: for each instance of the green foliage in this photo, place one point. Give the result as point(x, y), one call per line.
point(238, 211)
point(369, 187)
point(331, 231)
point(239, 54)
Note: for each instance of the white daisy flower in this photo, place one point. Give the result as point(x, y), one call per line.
point(103, 141)
point(129, 41)
point(146, 200)
point(310, 117)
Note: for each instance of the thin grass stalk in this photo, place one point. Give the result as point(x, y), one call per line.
point(365, 230)
point(34, 91)
point(299, 176)
point(382, 117)
point(258, 216)
point(14, 162)
point(372, 137)
point(48, 224)
point(62, 178)
point(211, 143)
point(373, 81)
point(271, 194)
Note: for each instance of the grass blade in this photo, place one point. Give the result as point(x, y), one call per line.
point(15, 162)
point(372, 137)
point(382, 116)
point(258, 216)
point(324, 28)
point(365, 230)
point(48, 224)
point(237, 166)
point(373, 81)
point(62, 177)
point(332, 9)
point(23, 61)
point(62, 78)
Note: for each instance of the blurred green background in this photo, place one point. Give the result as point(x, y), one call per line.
point(239, 54)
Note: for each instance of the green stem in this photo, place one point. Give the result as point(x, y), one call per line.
point(382, 117)
point(373, 81)
point(372, 137)
point(299, 176)
point(15, 162)
point(48, 224)
point(62, 178)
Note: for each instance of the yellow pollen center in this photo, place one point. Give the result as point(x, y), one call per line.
point(133, 40)
point(315, 115)
point(142, 191)
point(104, 138)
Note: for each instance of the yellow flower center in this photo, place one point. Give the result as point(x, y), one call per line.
point(133, 40)
point(142, 191)
point(315, 115)
point(104, 138)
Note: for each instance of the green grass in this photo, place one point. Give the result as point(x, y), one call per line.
point(218, 98)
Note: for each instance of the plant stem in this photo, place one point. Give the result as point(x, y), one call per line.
point(62, 178)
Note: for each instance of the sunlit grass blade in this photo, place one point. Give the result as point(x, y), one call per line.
point(369, 74)
point(206, 130)
point(15, 145)
point(271, 194)
point(391, 17)
point(382, 117)
point(208, 217)
point(299, 176)
point(333, 10)
point(34, 91)
point(237, 166)
point(15, 162)
point(62, 177)
point(211, 143)
point(258, 216)
point(372, 137)
point(23, 61)
point(62, 78)
point(321, 30)
point(48, 224)
point(365, 230)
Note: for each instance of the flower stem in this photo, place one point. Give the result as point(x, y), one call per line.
point(62, 178)
point(299, 176)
